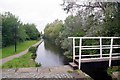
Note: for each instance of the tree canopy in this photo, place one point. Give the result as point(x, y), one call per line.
point(12, 27)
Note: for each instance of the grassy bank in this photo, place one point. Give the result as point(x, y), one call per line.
point(23, 61)
point(8, 51)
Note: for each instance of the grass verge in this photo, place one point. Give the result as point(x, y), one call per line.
point(21, 62)
point(110, 70)
point(8, 51)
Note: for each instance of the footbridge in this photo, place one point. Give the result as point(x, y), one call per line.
point(95, 49)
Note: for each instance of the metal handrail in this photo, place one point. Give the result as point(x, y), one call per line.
point(101, 47)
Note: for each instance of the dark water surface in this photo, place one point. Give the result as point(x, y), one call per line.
point(49, 55)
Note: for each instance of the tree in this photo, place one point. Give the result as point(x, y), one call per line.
point(31, 31)
point(22, 35)
point(105, 16)
point(9, 24)
point(14, 30)
point(52, 30)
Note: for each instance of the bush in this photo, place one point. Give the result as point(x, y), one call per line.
point(32, 49)
point(33, 55)
point(38, 64)
point(68, 55)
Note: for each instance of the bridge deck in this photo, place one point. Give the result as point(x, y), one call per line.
point(96, 59)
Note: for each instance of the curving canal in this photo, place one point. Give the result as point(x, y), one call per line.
point(49, 55)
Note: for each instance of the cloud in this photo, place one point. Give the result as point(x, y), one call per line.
point(39, 12)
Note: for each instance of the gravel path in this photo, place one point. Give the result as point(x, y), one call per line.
point(4, 60)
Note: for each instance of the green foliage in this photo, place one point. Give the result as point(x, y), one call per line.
point(112, 18)
point(9, 24)
point(31, 31)
point(13, 28)
point(110, 70)
point(22, 36)
point(52, 30)
point(68, 55)
point(69, 71)
point(32, 49)
point(33, 56)
point(21, 62)
point(38, 65)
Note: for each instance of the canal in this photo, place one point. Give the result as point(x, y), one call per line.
point(49, 55)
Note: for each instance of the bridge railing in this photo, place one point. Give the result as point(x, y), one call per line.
point(100, 47)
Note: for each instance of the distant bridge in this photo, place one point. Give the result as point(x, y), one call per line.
point(86, 58)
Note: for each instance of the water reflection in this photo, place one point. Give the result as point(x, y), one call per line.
point(49, 55)
point(51, 47)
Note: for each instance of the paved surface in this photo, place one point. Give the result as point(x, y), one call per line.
point(116, 75)
point(42, 72)
point(4, 60)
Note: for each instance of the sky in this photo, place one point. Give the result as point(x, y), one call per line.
point(39, 12)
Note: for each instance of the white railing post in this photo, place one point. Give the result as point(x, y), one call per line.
point(110, 55)
point(73, 49)
point(80, 46)
point(100, 47)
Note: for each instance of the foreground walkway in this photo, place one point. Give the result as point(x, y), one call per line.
point(4, 60)
point(42, 72)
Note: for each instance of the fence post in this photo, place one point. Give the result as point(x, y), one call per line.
point(100, 47)
point(80, 46)
point(110, 56)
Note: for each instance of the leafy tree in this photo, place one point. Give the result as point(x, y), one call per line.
point(31, 31)
point(52, 30)
point(111, 25)
point(13, 28)
point(22, 35)
point(10, 23)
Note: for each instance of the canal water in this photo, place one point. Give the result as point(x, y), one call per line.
point(49, 55)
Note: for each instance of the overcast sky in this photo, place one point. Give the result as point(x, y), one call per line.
point(39, 12)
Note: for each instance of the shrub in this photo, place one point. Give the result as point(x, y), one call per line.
point(68, 55)
point(38, 64)
point(32, 49)
point(33, 55)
